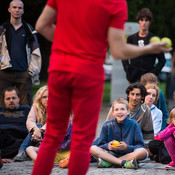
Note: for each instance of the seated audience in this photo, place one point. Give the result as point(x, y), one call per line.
point(12, 124)
point(35, 123)
point(150, 78)
point(162, 148)
point(139, 111)
point(168, 136)
point(150, 100)
point(63, 152)
point(124, 130)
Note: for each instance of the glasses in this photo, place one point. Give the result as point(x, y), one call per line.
point(44, 97)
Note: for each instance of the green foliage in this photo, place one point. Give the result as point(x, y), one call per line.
point(36, 87)
point(106, 91)
point(162, 86)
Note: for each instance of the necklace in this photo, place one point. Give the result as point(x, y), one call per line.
point(132, 114)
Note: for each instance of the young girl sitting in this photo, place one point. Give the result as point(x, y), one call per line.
point(168, 136)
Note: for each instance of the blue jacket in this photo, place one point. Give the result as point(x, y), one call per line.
point(161, 104)
point(128, 131)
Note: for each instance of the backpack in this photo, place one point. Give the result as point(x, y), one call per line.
point(163, 154)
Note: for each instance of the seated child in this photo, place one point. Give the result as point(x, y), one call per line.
point(168, 136)
point(127, 132)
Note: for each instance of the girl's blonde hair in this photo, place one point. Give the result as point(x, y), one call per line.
point(152, 86)
point(171, 116)
point(41, 110)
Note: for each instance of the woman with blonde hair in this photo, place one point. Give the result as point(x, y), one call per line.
point(151, 99)
point(38, 113)
point(35, 123)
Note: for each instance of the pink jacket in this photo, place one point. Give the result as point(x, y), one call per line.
point(167, 132)
point(32, 119)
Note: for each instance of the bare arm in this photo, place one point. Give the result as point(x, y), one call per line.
point(45, 24)
point(121, 50)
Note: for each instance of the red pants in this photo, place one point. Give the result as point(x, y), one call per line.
point(82, 95)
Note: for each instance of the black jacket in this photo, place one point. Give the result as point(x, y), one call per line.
point(136, 67)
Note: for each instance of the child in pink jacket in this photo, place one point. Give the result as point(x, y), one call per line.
point(168, 135)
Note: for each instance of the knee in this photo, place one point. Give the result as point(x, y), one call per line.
point(170, 142)
point(141, 151)
point(94, 150)
point(28, 149)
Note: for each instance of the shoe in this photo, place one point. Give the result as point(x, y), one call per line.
point(93, 159)
point(21, 156)
point(64, 163)
point(1, 163)
point(132, 164)
point(103, 164)
point(170, 165)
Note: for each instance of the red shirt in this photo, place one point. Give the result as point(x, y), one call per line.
point(80, 39)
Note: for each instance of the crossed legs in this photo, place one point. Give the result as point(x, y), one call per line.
point(138, 154)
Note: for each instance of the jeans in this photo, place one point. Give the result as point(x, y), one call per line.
point(27, 141)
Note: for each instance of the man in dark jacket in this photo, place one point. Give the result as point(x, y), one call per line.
point(12, 123)
point(20, 58)
point(136, 67)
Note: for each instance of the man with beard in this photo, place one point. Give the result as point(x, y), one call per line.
point(12, 124)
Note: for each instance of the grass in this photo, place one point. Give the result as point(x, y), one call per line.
point(162, 86)
point(106, 91)
point(36, 87)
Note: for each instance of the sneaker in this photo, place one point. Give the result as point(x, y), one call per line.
point(103, 164)
point(21, 156)
point(64, 163)
point(170, 165)
point(1, 163)
point(132, 164)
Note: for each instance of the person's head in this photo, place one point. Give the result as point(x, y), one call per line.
point(144, 18)
point(40, 101)
point(149, 78)
point(16, 9)
point(144, 13)
point(136, 93)
point(41, 97)
point(152, 94)
point(11, 98)
point(171, 119)
point(120, 109)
